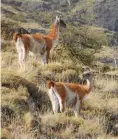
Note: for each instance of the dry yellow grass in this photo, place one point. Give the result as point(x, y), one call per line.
point(16, 130)
point(106, 85)
point(59, 125)
point(105, 52)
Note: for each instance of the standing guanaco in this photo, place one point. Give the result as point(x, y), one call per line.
point(69, 94)
point(38, 44)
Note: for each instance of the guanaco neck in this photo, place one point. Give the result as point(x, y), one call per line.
point(54, 31)
point(89, 84)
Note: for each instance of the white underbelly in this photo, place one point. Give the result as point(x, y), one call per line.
point(54, 100)
point(37, 47)
point(71, 97)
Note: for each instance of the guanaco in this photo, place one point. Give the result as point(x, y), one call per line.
point(38, 44)
point(69, 94)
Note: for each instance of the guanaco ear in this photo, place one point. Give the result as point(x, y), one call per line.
point(57, 17)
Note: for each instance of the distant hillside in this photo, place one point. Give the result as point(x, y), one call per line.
point(106, 10)
point(107, 14)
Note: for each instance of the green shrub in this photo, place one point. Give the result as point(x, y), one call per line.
point(81, 43)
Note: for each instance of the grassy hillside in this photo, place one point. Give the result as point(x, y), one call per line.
point(25, 105)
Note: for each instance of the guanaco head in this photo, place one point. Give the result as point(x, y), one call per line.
point(21, 31)
point(59, 21)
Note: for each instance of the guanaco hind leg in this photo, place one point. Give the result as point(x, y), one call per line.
point(54, 100)
point(21, 52)
point(77, 107)
point(44, 58)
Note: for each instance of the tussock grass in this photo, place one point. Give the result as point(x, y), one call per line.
point(106, 85)
point(102, 103)
point(30, 120)
point(108, 52)
point(61, 126)
point(114, 72)
point(25, 93)
point(16, 129)
point(55, 67)
point(91, 128)
point(67, 76)
point(61, 118)
point(10, 95)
